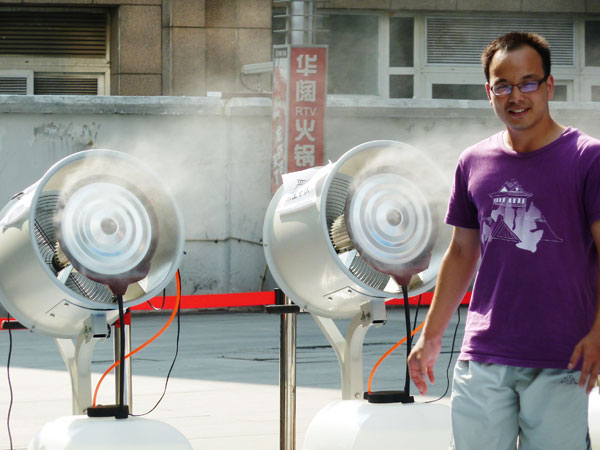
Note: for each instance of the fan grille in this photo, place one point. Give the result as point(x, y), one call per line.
point(334, 208)
point(45, 236)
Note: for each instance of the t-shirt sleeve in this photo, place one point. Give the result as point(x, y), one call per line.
point(461, 210)
point(591, 190)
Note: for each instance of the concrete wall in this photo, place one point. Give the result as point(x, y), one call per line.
point(215, 156)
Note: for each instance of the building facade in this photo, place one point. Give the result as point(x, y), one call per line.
point(383, 48)
point(130, 47)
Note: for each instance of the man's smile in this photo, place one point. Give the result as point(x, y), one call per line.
point(518, 111)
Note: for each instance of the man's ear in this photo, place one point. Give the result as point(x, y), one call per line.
point(550, 86)
point(488, 92)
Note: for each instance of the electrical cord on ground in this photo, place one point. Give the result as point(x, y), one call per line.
point(10, 405)
point(450, 359)
point(170, 368)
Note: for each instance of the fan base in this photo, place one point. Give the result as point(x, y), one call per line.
point(85, 433)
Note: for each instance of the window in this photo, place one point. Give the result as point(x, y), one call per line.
point(401, 57)
point(402, 41)
point(592, 43)
point(402, 86)
point(353, 53)
point(448, 48)
point(561, 92)
point(54, 51)
point(462, 91)
point(461, 39)
point(423, 55)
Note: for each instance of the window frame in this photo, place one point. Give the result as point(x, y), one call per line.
point(578, 78)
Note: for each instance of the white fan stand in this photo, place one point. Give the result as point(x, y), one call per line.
point(356, 424)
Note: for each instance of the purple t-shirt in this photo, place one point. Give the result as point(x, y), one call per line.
point(534, 296)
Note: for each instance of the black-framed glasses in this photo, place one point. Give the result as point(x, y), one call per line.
point(525, 87)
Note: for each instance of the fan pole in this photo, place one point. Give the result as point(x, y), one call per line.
point(122, 411)
point(287, 368)
point(287, 379)
point(118, 329)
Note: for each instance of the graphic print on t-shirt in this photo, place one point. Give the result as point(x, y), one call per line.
point(515, 218)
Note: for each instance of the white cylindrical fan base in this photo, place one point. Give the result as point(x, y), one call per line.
point(85, 433)
point(359, 425)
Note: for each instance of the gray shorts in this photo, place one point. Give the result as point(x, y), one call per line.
point(497, 407)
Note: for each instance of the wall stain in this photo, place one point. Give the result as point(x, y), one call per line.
point(67, 136)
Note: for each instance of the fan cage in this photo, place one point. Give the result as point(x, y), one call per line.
point(45, 236)
point(334, 208)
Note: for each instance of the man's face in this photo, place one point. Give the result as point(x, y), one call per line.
point(519, 110)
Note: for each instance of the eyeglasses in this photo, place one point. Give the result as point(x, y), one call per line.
point(525, 87)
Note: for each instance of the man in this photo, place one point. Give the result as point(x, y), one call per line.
point(527, 200)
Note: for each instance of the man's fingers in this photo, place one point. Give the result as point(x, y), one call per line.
point(422, 369)
point(585, 372)
point(417, 373)
point(593, 376)
point(575, 356)
point(421, 385)
point(419, 381)
point(431, 375)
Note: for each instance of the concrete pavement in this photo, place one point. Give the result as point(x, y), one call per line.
point(223, 391)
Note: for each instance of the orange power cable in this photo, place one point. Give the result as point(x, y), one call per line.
point(386, 354)
point(158, 333)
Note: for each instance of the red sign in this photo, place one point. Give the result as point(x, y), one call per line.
point(299, 98)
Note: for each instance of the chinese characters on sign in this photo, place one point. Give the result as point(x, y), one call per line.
point(306, 107)
point(299, 96)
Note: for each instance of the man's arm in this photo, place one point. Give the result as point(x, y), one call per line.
point(456, 271)
point(589, 347)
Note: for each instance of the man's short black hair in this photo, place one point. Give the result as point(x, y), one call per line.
point(513, 41)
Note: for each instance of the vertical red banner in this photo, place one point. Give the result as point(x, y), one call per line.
point(299, 99)
point(306, 113)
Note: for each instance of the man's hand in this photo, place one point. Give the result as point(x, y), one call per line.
point(456, 271)
point(421, 360)
point(588, 349)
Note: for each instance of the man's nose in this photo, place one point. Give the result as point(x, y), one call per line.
point(515, 94)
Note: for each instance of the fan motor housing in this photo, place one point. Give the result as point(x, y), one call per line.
point(58, 298)
point(299, 247)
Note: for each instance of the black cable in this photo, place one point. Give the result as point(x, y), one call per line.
point(408, 338)
point(121, 407)
point(417, 311)
point(246, 86)
point(163, 302)
point(450, 360)
point(10, 405)
point(172, 363)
